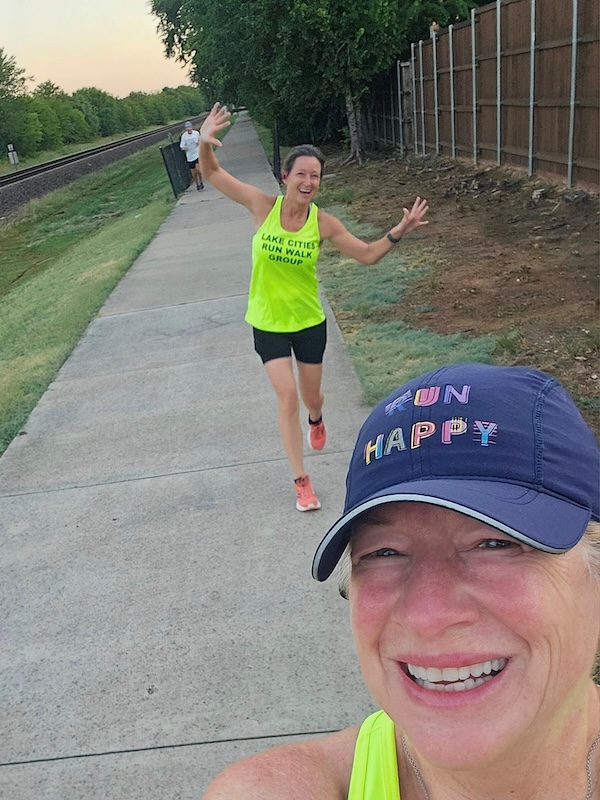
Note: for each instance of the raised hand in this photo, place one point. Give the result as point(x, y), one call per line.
point(217, 120)
point(414, 218)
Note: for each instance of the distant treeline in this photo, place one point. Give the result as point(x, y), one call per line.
point(48, 118)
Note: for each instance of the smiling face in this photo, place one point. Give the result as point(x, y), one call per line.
point(303, 179)
point(468, 639)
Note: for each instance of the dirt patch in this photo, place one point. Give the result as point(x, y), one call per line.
point(515, 256)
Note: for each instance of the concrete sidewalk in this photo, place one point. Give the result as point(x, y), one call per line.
point(158, 618)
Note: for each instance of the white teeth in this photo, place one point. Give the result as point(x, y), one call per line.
point(456, 679)
point(414, 671)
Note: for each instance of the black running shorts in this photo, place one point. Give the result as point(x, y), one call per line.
point(308, 344)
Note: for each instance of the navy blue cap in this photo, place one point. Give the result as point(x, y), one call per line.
point(506, 445)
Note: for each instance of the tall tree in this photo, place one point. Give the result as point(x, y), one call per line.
point(13, 81)
point(48, 89)
point(105, 106)
point(291, 59)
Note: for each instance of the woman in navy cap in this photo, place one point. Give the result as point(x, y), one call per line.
point(470, 556)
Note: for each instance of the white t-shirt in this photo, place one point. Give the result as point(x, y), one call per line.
point(190, 142)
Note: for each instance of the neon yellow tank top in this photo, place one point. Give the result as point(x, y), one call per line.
point(284, 294)
point(375, 766)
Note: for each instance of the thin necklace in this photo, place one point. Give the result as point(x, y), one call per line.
point(415, 769)
point(588, 768)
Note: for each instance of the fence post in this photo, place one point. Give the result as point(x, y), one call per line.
point(531, 88)
point(452, 107)
point(276, 153)
point(414, 82)
point(435, 91)
point(498, 82)
point(422, 97)
point(392, 116)
point(574, 35)
point(400, 109)
point(474, 84)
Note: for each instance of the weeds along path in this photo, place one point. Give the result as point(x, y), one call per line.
point(507, 271)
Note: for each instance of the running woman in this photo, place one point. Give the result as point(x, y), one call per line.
point(284, 308)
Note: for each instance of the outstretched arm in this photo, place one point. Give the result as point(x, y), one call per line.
point(371, 252)
point(255, 200)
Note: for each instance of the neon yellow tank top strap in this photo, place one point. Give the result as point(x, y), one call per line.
point(375, 766)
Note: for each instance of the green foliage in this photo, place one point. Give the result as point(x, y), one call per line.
point(48, 118)
point(106, 107)
point(294, 62)
point(13, 81)
point(49, 123)
point(304, 63)
point(421, 13)
point(48, 89)
point(89, 112)
point(19, 125)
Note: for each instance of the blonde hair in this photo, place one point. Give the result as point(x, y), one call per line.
point(591, 549)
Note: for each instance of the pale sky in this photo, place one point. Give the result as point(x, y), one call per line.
point(110, 44)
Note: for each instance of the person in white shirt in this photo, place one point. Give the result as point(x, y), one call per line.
point(190, 140)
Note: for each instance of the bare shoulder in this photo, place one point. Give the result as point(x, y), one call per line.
point(318, 769)
point(329, 225)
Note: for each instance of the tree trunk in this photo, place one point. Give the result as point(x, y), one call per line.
point(356, 147)
point(365, 130)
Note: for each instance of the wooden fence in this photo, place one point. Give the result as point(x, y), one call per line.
point(518, 86)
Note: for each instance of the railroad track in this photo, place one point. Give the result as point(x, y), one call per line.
point(18, 187)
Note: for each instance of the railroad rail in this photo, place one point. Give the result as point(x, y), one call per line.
point(18, 187)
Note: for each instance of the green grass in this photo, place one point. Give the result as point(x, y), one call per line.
point(386, 355)
point(59, 260)
point(367, 302)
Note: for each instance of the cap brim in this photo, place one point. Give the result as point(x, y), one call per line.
point(541, 520)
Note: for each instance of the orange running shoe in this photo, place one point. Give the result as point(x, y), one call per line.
point(317, 434)
point(306, 499)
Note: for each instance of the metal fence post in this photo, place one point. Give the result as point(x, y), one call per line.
point(435, 91)
point(531, 88)
point(452, 107)
point(392, 116)
point(574, 35)
point(498, 82)
point(414, 82)
point(474, 84)
point(400, 109)
point(422, 97)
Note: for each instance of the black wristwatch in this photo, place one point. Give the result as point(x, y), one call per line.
point(392, 239)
